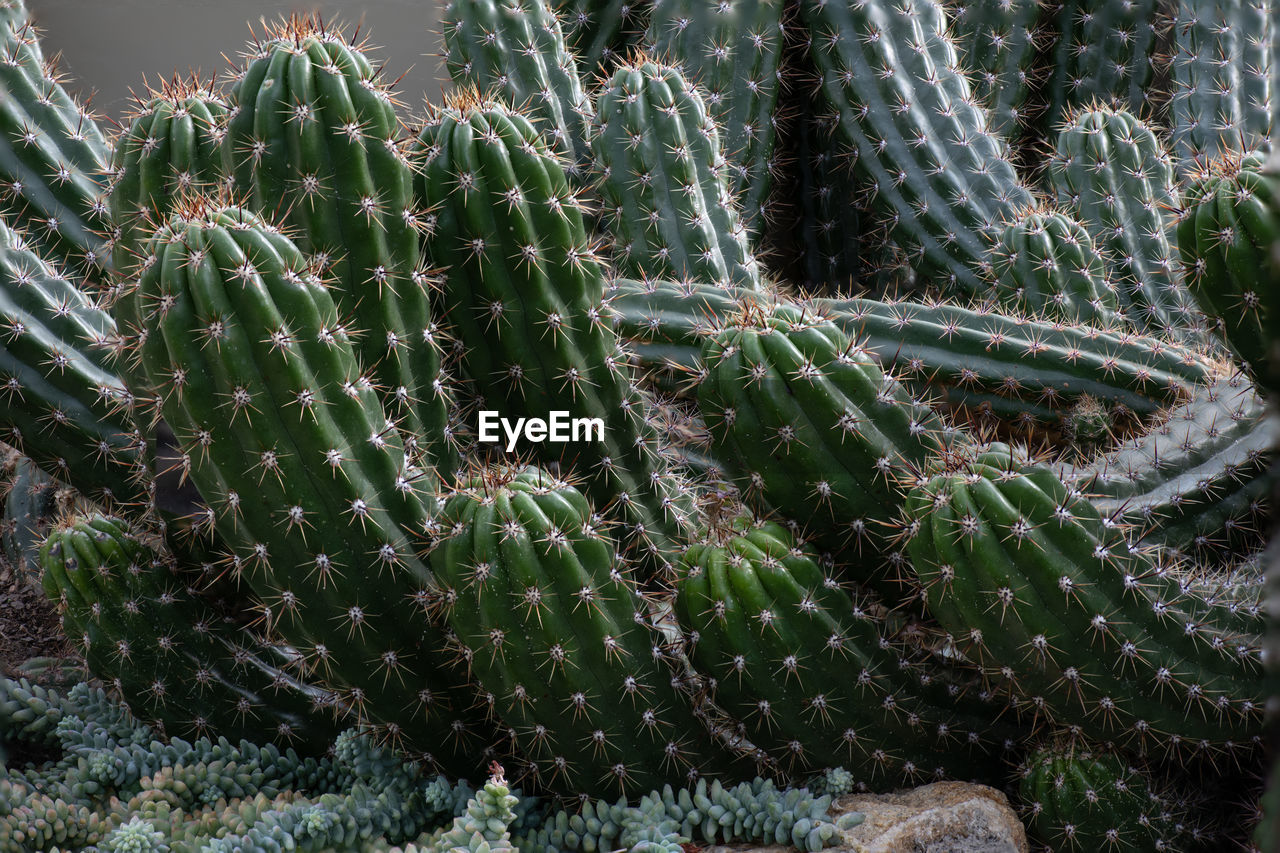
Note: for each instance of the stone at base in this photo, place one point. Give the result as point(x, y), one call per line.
point(945, 817)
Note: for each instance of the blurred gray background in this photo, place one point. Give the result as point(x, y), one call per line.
point(108, 46)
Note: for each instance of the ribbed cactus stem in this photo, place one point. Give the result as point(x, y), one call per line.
point(314, 140)
point(734, 52)
point(306, 476)
point(665, 184)
point(891, 71)
point(549, 620)
point(516, 52)
point(169, 653)
point(525, 293)
point(53, 156)
point(61, 402)
point(1113, 172)
point(1047, 595)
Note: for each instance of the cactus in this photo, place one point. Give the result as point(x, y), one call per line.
point(1198, 482)
point(1229, 226)
point(996, 40)
point(819, 432)
point(53, 156)
point(516, 53)
point(314, 139)
point(1044, 263)
point(1073, 797)
point(172, 148)
point(30, 499)
point(65, 407)
point(599, 33)
point(664, 185)
point(307, 480)
point(1113, 172)
point(891, 72)
point(173, 658)
point(549, 622)
point(1032, 582)
point(1024, 372)
point(768, 624)
point(1104, 53)
point(734, 53)
point(524, 289)
point(1224, 76)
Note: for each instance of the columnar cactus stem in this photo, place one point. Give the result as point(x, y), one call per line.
point(665, 186)
point(1227, 233)
point(1035, 585)
point(1104, 54)
point(53, 156)
point(890, 69)
point(551, 625)
point(734, 52)
point(1199, 481)
point(515, 51)
point(314, 139)
point(1074, 796)
point(60, 402)
point(170, 655)
point(1114, 172)
point(1023, 372)
point(306, 476)
point(769, 625)
point(1046, 264)
point(997, 41)
point(171, 149)
point(1225, 68)
point(819, 432)
point(525, 293)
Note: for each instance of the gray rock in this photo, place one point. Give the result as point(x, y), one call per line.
point(946, 817)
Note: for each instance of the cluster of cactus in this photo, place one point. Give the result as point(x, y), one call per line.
point(1005, 502)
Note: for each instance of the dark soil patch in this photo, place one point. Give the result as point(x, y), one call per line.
point(29, 624)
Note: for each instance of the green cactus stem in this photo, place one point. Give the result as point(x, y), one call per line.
point(305, 476)
point(525, 295)
point(1079, 628)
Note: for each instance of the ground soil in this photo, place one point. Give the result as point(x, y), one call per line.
point(29, 624)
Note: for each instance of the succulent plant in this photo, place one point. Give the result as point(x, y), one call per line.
point(275, 294)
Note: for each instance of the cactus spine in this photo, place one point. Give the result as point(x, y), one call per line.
point(524, 287)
